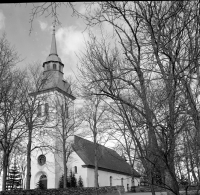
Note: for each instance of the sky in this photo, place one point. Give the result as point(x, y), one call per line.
point(35, 47)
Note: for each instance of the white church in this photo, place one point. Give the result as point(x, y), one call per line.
point(48, 166)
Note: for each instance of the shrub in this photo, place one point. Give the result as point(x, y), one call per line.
point(40, 185)
point(80, 182)
point(71, 181)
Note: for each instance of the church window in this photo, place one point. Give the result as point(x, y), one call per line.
point(127, 187)
point(60, 68)
point(75, 169)
point(39, 111)
point(122, 181)
point(67, 112)
point(48, 67)
point(62, 108)
point(54, 66)
point(41, 159)
point(110, 180)
point(43, 132)
point(46, 109)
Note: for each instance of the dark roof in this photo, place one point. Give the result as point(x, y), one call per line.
point(108, 159)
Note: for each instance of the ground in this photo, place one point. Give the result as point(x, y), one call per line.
point(144, 193)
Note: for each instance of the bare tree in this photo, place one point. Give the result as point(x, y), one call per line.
point(145, 74)
point(120, 133)
point(64, 127)
point(10, 112)
point(50, 9)
point(8, 59)
point(94, 120)
point(12, 129)
point(32, 101)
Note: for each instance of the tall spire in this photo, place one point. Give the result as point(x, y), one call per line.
point(53, 43)
point(53, 56)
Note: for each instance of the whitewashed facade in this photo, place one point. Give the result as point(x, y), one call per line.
point(53, 169)
point(106, 178)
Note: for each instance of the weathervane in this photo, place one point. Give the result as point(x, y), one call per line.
point(54, 24)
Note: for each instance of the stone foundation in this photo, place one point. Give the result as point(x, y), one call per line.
point(113, 190)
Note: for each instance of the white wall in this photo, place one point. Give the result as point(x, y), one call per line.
point(53, 168)
point(48, 169)
point(87, 175)
point(75, 160)
point(104, 179)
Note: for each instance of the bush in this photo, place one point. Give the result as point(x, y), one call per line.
point(40, 185)
point(71, 181)
point(80, 182)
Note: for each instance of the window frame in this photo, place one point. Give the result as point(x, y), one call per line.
point(110, 180)
point(46, 109)
point(122, 181)
point(75, 170)
point(54, 66)
point(39, 111)
point(41, 159)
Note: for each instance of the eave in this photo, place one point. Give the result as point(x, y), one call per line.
point(53, 89)
point(107, 170)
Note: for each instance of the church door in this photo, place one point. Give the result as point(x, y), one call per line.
point(43, 180)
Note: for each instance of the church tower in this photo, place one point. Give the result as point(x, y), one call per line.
point(55, 107)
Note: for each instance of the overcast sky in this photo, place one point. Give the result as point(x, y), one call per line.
point(35, 47)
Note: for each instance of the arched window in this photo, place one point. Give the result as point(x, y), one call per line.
point(54, 66)
point(48, 67)
point(122, 181)
point(46, 109)
point(67, 111)
point(127, 187)
point(110, 180)
point(43, 182)
point(75, 169)
point(39, 111)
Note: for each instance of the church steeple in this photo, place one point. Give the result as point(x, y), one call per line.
point(53, 56)
point(53, 62)
point(53, 50)
point(53, 70)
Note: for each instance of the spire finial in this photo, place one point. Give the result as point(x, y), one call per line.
point(54, 29)
point(54, 25)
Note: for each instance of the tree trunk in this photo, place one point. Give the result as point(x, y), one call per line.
point(65, 166)
point(28, 158)
point(5, 169)
point(172, 183)
point(95, 164)
point(95, 170)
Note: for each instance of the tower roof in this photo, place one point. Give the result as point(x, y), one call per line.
point(53, 72)
point(53, 56)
